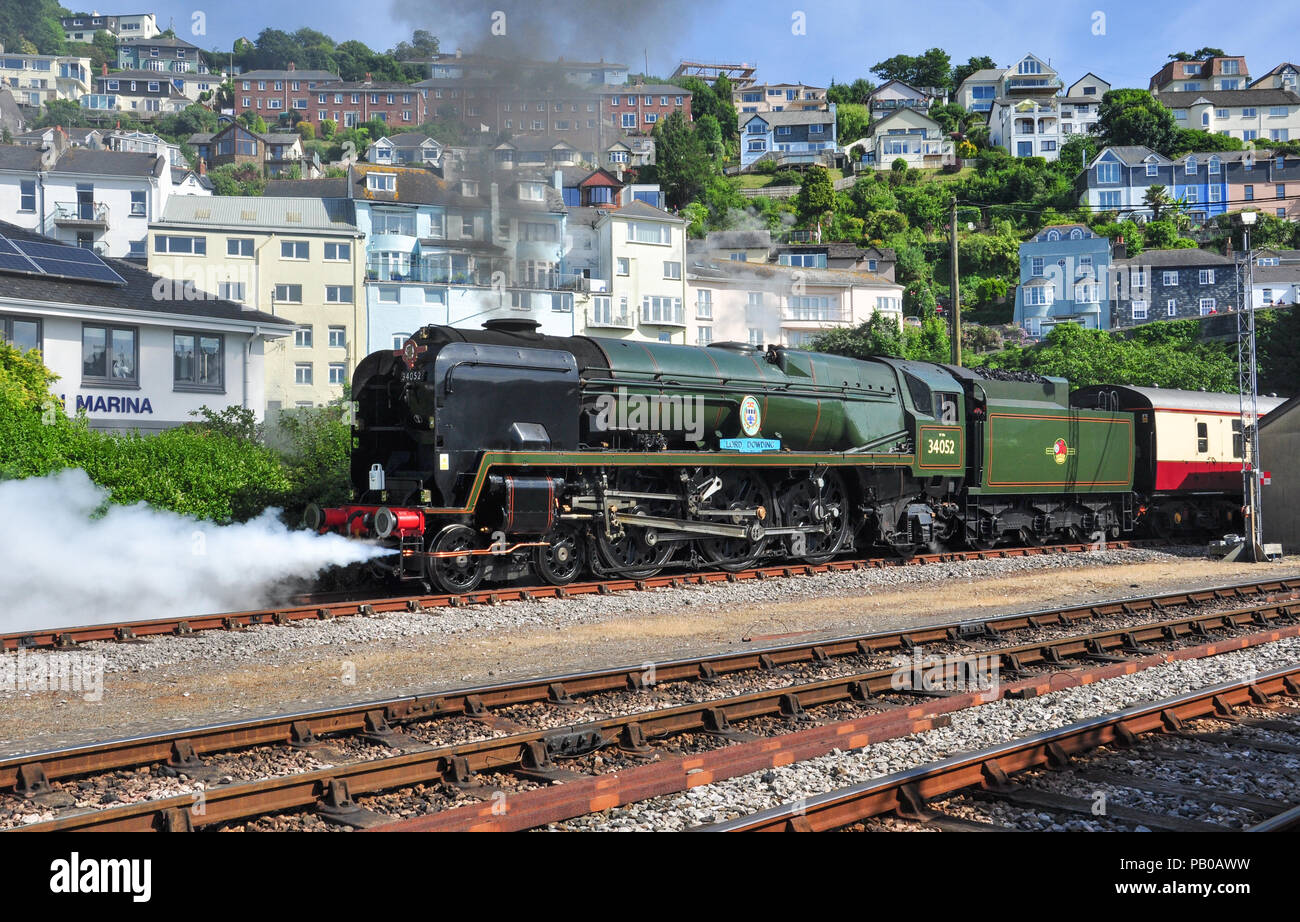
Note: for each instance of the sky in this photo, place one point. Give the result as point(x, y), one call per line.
point(810, 41)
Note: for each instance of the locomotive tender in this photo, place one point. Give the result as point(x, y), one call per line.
point(501, 453)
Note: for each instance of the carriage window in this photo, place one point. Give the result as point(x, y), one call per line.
point(1202, 438)
point(945, 408)
point(1238, 447)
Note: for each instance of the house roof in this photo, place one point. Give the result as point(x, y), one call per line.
point(656, 89)
point(161, 41)
point(731, 270)
point(288, 75)
point(409, 140)
point(639, 209)
point(293, 214)
point(1285, 65)
point(984, 75)
point(136, 295)
point(161, 76)
point(875, 126)
point(109, 162)
point(793, 117)
point(20, 157)
point(745, 239)
point(1132, 155)
point(307, 188)
point(1277, 412)
point(1207, 67)
point(1185, 256)
point(889, 83)
point(1264, 96)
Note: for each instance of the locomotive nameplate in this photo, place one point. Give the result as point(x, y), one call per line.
point(749, 445)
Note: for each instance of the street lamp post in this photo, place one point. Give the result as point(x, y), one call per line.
point(1248, 402)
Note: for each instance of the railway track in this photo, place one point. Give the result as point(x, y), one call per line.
point(1008, 774)
point(339, 605)
point(778, 687)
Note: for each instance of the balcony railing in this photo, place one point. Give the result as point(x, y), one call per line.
point(477, 277)
point(81, 213)
point(664, 317)
point(621, 321)
point(806, 316)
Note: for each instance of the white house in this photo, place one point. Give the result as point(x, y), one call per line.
point(908, 134)
point(1252, 115)
point(91, 198)
point(130, 350)
point(1038, 125)
point(733, 301)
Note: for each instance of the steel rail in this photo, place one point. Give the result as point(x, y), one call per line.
point(906, 792)
point(63, 637)
point(533, 750)
point(297, 728)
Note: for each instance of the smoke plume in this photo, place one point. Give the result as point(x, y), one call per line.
point(65, 565)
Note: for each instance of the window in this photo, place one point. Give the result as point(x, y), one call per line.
point(467, 226)
point(1108, 172)
point(1202, 438)
point(1190, 166)
point(294, 249)
point(1139, 310)
point(661, 310)
point(1250, 193)
point(198, 361)
point(231, 291)
point(1268, 295)
point(1207, 277)
point(672, 270)
point(338, 373)
point(338, 252)
point(137, 204)
point(1036, 266)
point(338, 294)
point(109, 356)
point(703, 336)
point(1277, 111)
point(1238, 443)
point(704, 304)
point(1193, 194)
point(1169, 277)
point(399, 340)
point(1281, 191)
point(302, 338)
point(388, 294)
point(1207, 307)
point(27, 195)
point(1108, 200)
point(755, 299)
point(23, 333)
point(1171, 308)
point(338, 337)
point(1249, 112)
point(624, 267)
point(1214, 165)
point(239, 246)
point(288, 294)
point(392, 222)
point(302, 373)
point(1216, 193)
point(1038, 295)
point(381, 182)
point(165, 243)
point(643, 232)
point(1138, 278)
point(755, 336)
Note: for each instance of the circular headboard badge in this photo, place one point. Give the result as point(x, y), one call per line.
point(751, 418)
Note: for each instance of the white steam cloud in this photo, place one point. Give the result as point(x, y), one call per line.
point(63, 567)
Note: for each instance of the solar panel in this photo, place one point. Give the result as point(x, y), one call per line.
point(67, 262)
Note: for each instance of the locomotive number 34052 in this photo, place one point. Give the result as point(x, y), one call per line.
point(942, 446)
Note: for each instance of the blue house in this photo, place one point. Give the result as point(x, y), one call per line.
point(1202, 181)
point(791, 136)
point(1063, 279)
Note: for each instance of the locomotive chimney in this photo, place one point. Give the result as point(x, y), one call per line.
point(511, 325)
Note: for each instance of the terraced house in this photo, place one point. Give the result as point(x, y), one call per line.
point(1064, 277)
point(787, 137)
point(160, 53)
point(289, 92)
point(1171, 285)
point(1252, 115)
point(778, 97)
point(452, 250)
point(297, 259)
point(35, 79)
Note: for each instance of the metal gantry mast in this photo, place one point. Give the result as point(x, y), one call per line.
point(1248, 402)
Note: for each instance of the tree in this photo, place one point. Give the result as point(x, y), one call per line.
point(1200, 54)
point(1157, 198)
point(725, 108)
point(816, 195)
point(63, 112)
point(851, 122)
point(306, 130)
point(962, 71)
point(859, 92)
point(422, 46)
point(683, 165)
point(327, 128)
point(880, 335)
point(1188, 140)
point(706, 126)
point(1135, 117)
point(932, 67)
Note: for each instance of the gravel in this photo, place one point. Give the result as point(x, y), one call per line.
point(970, 730)
point(255, 644)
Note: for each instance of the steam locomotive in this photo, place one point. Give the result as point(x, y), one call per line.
point(503, 453)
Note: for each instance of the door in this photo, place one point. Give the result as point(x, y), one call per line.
point(85, 202)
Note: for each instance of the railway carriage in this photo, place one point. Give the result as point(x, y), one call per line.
point(1188, 447)
point(502, 453)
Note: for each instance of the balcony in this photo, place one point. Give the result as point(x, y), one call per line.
point(813, 318)
point(81, 214)
point(663, 316)
point(609, 320)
